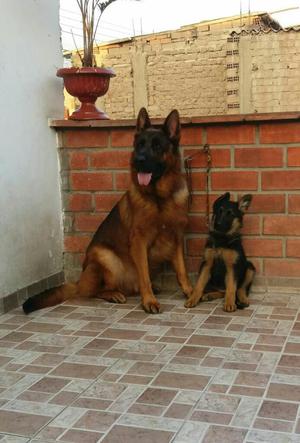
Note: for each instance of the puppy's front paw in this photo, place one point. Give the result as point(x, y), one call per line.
point(229, 307)
point(241, 305)
point(151, 305)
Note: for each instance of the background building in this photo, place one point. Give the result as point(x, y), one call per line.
point(228, 66)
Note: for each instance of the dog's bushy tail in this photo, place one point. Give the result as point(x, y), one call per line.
point(51, 297)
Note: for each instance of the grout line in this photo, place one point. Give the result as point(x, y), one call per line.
point(269, 382)
point(214, 376)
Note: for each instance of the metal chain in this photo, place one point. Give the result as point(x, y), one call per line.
point(188, 172)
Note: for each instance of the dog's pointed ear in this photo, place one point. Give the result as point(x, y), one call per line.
point(172, 127)
point(143, 120)
point(223, 197)
point(244, 202)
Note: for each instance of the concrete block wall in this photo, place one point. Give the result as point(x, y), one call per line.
point(202, 69)
point(269, 68)
point(258, 154)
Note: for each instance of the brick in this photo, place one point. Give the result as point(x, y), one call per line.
point(231, 134)
point(105, 202)
point(294, 204)
point(281, 180)
point(197, 224)
point(122, 181)
point(68, 222)
point(262, 247)
point(281, 225)
point(78, 160)
point(80, 202)
point(234, 180)
point(271, 203)
point(282, 267)
point(88, 222)
point(191, 136)
point(192, 264)
point(258, 157)
point(64, 160)
point(198, 181)
point(91, 181)
point(251, 225)
point(199, 202)
point(220, 157)
point(73, 260)
point(195, 246)
point(257, 263)
point(293, 247)
point(76, 243)
point(112, 159)
point(279, 132)
point(293, 157)
point(85, 138)
point(122, 137)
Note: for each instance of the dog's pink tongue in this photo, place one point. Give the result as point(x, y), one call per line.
point(144, 178)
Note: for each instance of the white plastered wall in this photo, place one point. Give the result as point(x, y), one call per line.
point(30, 93)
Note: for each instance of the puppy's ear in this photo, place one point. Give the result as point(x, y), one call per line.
point(172, 127)
point(143, 120)
point(244, 202)
point(221, 199)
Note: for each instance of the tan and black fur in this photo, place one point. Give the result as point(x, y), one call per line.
point(143, 230)
point(225, 268)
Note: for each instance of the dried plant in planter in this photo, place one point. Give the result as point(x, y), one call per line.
point(88, 82)
point(90, 23)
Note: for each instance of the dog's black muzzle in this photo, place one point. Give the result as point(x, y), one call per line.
point(144, 163)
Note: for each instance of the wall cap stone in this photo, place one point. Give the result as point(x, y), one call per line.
point(201, 120)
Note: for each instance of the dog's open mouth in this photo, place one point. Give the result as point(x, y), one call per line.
point(144, 178)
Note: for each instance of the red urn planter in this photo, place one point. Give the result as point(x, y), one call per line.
point(87, 84)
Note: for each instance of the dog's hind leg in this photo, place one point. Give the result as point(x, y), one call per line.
point(213, 295)
point(90, 280)
point(112, 296)
point(110, 289)
point(112, 274)
point(243, 290)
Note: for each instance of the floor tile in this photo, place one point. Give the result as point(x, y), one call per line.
point(122, 434)
point(89, 371)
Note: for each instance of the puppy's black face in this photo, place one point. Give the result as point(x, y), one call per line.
point(154, 149)
point(228, 215)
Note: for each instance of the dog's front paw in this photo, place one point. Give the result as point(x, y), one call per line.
point(187, 291)
point(151, 305)
point(229, 307)
point(191, 302)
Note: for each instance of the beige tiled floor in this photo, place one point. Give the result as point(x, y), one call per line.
point(94, 372)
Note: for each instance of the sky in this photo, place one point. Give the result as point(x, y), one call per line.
point(126, 18)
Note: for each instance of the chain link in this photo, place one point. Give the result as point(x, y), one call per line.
point(188, 172)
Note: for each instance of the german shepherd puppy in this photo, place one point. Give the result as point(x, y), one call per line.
point(143, 230)
point(225, 267)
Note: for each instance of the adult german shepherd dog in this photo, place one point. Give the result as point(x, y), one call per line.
point(144, 229)
point(225, 268)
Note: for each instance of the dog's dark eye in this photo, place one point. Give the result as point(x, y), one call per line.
point(140, 144)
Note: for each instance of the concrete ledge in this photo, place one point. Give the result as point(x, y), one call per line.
point(201, 120)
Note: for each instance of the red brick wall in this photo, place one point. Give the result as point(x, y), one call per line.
point(260, 156)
